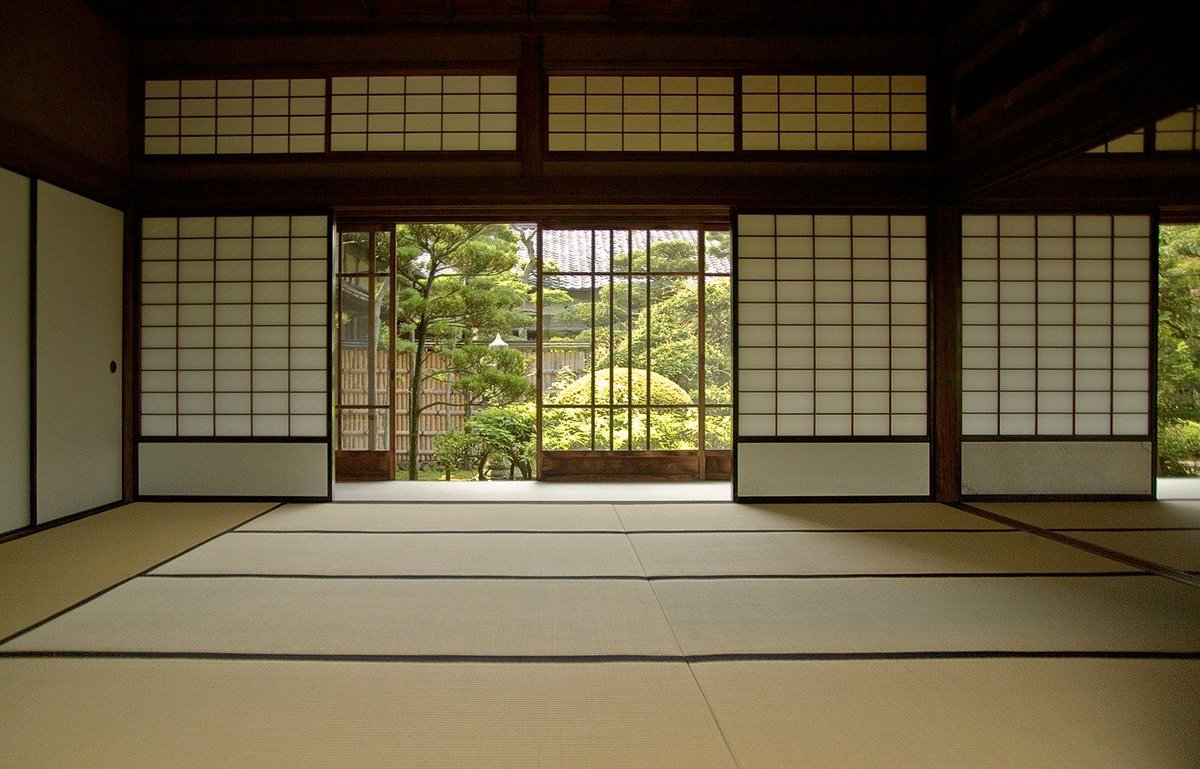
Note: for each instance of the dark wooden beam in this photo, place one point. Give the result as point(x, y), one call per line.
point(1133, 71)
point(282, 186)
point(1165, 180)
point(531, 106)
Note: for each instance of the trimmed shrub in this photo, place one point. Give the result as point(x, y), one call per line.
point(1179, 448)
point(663, 392)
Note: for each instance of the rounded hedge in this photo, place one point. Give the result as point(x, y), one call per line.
point(663, 392)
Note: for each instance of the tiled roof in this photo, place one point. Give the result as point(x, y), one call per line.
point(571, 253)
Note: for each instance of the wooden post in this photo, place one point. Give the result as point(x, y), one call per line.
point(946, 315)
point(531, 107)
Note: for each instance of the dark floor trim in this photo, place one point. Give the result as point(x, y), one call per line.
point(638, 578)
point(1104, 552)
point(608, 658)
point(40, 527)
point(622, 531)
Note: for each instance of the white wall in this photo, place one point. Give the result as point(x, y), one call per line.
point(14, 351)
point(79, 306)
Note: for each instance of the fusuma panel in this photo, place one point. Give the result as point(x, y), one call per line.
point(15, 242)
point(234, 326)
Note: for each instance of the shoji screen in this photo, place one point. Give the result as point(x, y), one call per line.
point(234, 361)
point(833, 112)
point(1180, 131)
point(79, 264)
point(14, 351)
point(641, 113)
point(832, 361)
point(1057, 354)
point(424, 113)
point(235, 116)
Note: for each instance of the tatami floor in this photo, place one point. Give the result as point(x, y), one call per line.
point(605, 634)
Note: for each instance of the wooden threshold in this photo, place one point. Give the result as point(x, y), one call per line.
point(633, 465)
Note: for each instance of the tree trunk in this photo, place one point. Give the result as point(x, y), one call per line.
point(414, 407)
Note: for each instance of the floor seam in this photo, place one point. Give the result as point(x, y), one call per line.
point(684, 658)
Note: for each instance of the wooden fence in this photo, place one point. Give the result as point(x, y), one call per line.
point(444, 409)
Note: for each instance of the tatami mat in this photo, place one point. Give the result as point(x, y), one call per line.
point(803, 553)
point(544, 555)
point(815, 516)
point(364, 617)
point(134, 714)
point(439, 517)
point(932, 714)
point(1100, 515)
point(917, 615)
point(1177, 549)
point(46, 572)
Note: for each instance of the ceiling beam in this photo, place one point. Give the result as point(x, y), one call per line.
point(1138, 67)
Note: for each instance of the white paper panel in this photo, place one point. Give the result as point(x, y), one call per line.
point(832, 326)
point(1057, 467)
point(1056, 325)
point(234, 117)
point(14, 351)
point(234, 333)
point(833, 112)
point(832, 469)
point(422, 113)
point(233, 469)
point(634, 113)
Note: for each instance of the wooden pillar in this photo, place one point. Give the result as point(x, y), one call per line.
point(946, 281)
point(131, 319)
point(531, 106)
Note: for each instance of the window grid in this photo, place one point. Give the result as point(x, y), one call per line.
point(424, 113)
point(1131, 142)
point(833, 112)
point(1056, 337)
point(636, 113)
point(832, 326)
point(1180, 131)
point(233, 332)
point(236, 116)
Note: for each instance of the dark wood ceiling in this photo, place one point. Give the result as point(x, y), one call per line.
point(150, 17)
point(1014, 84)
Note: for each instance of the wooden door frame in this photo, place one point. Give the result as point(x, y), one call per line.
point(371, 464)
point(697, 464)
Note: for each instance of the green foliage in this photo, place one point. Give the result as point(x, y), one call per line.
point(497, 433)
point(660, 312)
point(1178, 347)
point(457, 286)
point(1179, 448)
point(456, 450)
point(619, 426)
point(498, 376)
